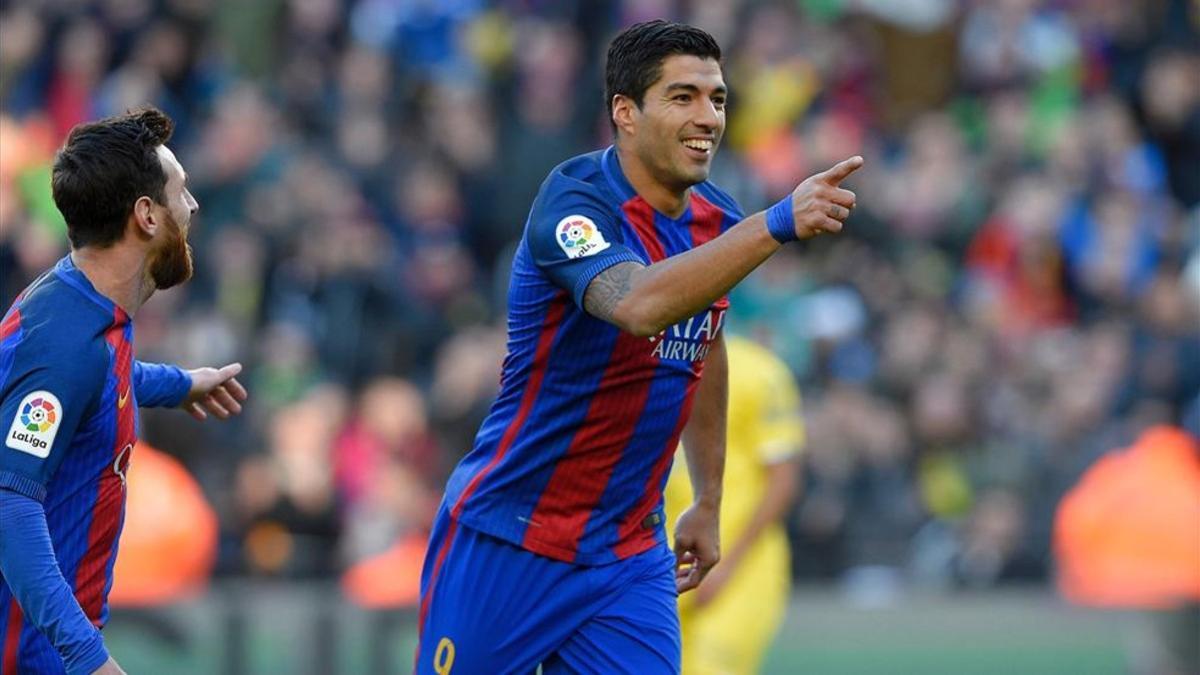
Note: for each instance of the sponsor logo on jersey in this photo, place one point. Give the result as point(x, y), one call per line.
point(689, 340)
point(578, 237)
point(35, 424)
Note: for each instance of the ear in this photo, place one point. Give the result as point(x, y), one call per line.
point(624, 113)
point(144, 218)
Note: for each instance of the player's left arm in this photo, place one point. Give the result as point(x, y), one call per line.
point(776, 432)
point(782, 485)
point(160, 385)
point(201, 391)
point(697, 533)
point(215, 391)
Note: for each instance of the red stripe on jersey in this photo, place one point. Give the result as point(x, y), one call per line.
point(580, 477)
point(11, 323)
point(433, 577)
point(541, 356)
point(632, 538)
point(640, 215)
point(706, 225)
point(12, 639)
point(92, 575)
point(706, 220)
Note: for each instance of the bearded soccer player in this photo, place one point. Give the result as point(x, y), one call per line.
point(549, 547)
point(70, 388)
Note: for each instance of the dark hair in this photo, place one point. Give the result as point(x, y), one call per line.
point(635, 56)
point(103, 168)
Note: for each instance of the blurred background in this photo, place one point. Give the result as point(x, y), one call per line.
point(1016, 297)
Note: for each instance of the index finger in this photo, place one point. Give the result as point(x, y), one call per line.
point(236, 388)
point(838, 172)
point(229, 371)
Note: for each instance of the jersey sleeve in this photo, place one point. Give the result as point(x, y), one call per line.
point(159, 384)
point(28, 565)
point(50, 385)
point(574, 235)
point(780, 424)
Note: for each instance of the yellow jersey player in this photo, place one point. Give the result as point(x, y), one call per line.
point(730, 621)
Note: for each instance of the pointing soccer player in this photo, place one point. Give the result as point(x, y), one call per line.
point(70, 388)
point(549, 547)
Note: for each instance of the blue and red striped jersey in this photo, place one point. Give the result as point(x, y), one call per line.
point(69, 392)
point(570, 462)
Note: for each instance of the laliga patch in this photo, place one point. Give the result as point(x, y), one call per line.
point(578, 237)
point(36, 424)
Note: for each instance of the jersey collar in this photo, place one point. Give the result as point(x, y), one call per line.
point(615, 175)
point(611, 165)
point(73, 277)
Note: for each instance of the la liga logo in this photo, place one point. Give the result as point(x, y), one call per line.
point(39, 415)
point(35, 424)
point(578, 236)
point(577, 233)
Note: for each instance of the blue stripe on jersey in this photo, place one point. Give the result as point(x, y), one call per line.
point(675, 235)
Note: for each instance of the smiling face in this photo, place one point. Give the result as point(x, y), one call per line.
point(678, 127)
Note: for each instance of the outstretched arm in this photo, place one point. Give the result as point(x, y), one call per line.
point(160, 384)
point(215, 391)
point(644, 300)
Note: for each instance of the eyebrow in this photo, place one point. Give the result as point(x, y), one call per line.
point(677, 86)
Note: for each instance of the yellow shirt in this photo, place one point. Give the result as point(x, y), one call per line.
point(764, 426)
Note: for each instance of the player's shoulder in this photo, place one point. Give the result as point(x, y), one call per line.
point(58, 322)
point(580, 177)
point(720, 198)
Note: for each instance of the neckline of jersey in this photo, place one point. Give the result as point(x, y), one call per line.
point(75, 278)
point(611, 166)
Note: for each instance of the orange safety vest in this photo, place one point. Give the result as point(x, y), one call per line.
point(1128, 534)
point(169, 543)
point(390, 580)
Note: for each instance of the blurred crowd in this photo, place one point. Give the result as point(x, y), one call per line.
point(1017, 293)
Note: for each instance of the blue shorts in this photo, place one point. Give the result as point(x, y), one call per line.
point(496, 608)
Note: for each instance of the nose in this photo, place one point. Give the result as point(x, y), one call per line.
point(193, 205)
point(707, 117)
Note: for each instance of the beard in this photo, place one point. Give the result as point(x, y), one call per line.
point(171, 265)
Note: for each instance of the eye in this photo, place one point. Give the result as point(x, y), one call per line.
point(682, 98)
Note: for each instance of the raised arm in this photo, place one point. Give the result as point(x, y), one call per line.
point(644, 300)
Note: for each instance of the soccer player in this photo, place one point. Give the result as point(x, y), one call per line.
point(731, 619)
point(70, 388)
point(549, 546)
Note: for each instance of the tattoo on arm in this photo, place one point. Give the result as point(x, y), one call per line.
point(607, 290)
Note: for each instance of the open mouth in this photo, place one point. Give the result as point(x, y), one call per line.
point(699, 147)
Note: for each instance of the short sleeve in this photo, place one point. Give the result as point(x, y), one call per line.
point(43, 399)
point(574, 235)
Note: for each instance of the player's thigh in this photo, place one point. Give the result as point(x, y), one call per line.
point(636, 631)
point(731, 634)
point(493, 608)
